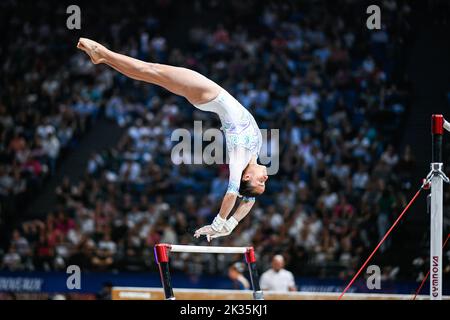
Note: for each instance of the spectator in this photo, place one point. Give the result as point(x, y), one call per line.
point(277, 278)
point(11, 260)
point(235, 274)
point(51, 147)
point(106, 292)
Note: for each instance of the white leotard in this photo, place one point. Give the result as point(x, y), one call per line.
point(242, 135)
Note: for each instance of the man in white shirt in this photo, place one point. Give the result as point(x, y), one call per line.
point(277, 278)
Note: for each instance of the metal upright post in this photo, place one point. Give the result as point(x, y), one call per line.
point(251, 262)
point(162, 259)
point(436, 215)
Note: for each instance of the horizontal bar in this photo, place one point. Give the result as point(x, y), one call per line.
point(206, 249)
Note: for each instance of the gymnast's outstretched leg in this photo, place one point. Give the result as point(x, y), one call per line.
point(196, 88)
point(199, 90)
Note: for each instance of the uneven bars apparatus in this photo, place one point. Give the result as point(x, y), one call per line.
point(162, 251)
point(436, 178)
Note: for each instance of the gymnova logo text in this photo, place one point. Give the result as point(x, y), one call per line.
point(208, 147)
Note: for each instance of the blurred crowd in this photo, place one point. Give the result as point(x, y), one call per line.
point(329, 85)
point(44, 109)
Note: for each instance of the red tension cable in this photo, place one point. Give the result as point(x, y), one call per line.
point(381, 242)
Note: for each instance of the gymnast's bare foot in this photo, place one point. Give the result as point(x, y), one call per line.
point(94, 49)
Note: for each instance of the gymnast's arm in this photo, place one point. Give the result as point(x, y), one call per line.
point(239, 158)
point(237, 164)
point(228, 202)
point(220, 220)
point(244, 208)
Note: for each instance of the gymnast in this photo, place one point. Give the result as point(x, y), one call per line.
point(243, 138)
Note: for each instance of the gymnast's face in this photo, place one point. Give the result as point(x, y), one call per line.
point(256, 175)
